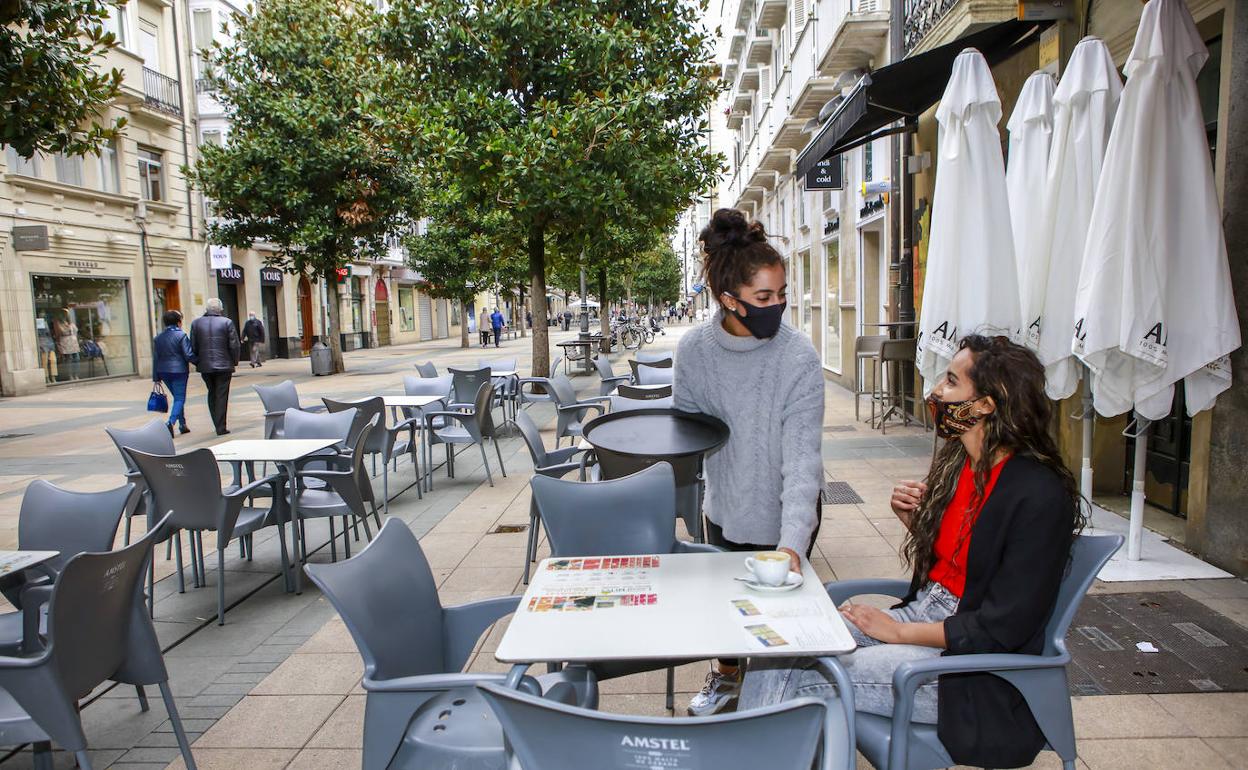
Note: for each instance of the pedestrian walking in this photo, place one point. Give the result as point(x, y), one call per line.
point(172, 357)
point(484, 327)
point(496, 323)
point(253, 338)
point(215, 348)
point(765, 380)
point(528, 318)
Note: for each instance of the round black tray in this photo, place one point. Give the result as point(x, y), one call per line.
point(656, 433)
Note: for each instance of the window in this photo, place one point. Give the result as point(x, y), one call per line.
point(357, 304)
point(115, 22)
point(201, 34)
point(807, 279)
point(151, 183)
point(868, 161)
point(106, 157)
point(407, 309)
point(212, 137)
point(68, 169)
point(24, 166)
point(832, 310)
point(801, 208)
point(82, 327)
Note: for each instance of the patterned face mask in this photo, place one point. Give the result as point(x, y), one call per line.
point(952, 418)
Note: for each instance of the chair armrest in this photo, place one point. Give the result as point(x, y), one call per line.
point(618, 378)
point(439, 682)
point(276, 414)
point(593, 400)
point(580, 408)
point(683, 547)
point(404, 425)
point(243, 492)
point(33, 599)
point(314, 408)
point(457, 416)
point(464, 624)
point(911, 674)
point(327, 476)
point(558, 470)
point(841, 590)
point(563, 454)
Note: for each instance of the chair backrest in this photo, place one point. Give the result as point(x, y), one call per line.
point(427, 369)
point(603, 365)
point(645, 374)
point(554, 736)
point(645, 394)
point(388, 599)
point(532, 439)
point(661, 360)
point(481, 407)
point(622, 404)
point(152, 438)
point(91, 612)
point(57, 519)
point(188, 484)
point(279, 397)
point(898, 350)
point(632, 515)
point(554, 365)
point(497, 364)
point(368, 408)
point(1087, 555)
point(564, 391)
point(428, 386)
point(336, 425)
point(869, 344)
point(467, 382)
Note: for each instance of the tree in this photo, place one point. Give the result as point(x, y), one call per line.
point(51, 84)
point(657, 275)
point(564, 113)
point(309, 166)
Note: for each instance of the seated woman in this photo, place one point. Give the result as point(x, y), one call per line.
point(989, 538)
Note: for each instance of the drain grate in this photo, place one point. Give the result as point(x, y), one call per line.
point(839, 429)
point(839, 493)
point(507, 529)
point(1199, 650)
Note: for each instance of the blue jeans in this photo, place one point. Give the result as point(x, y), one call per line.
point(176, 383)
point(870, 667)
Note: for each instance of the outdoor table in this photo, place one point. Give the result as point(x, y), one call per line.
point(12, 562)
point(285, 454)
point(396, 402)
point(568, 356)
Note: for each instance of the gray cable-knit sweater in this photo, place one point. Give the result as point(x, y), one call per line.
point(761, 487)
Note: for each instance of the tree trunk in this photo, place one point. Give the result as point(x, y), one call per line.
point(604, 325)
point(537, 279)
point(463, 323)
point(334, 332)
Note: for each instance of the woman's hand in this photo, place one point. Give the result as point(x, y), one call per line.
point(907, 496)
point(795, 561)
point(873, 622)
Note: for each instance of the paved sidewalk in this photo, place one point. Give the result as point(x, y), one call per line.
point(278, 685)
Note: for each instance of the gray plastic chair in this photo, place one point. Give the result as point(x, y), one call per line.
point(427, 369)
point(427, 386)
point(610, 380)
point(421, 711)
point(506, 389)
point(526, 394)
point(189, 486)
point(898, 744)
point(152, 438)
point(384, 442)
point(276, 399)
point(571, 412)
point(472, 427)
point(346, 492)
point(659, 359)
point(652, 374)
point(622, 404)
point(645, 393)
point(92, 611)
point(628, 516)
point(555, 463)
point(794, 735)
point(464, 386)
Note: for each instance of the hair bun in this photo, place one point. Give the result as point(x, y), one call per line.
point(728, 227)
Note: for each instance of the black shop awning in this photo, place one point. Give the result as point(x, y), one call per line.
point(908, 88)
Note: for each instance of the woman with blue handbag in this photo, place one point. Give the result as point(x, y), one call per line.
point(171, 360)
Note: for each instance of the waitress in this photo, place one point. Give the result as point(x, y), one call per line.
point(764, 379)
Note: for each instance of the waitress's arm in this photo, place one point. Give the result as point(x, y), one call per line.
point(801, 453)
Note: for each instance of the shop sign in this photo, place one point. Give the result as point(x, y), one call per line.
point(30, 238)
point(230, 275)
point(270, 276)
point(826, 175)
point(220, 257)
point(83, 266)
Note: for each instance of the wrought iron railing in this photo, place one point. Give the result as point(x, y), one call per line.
point(921, 17)
point(161, 92)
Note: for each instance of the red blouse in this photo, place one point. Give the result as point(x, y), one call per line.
point(953, 542)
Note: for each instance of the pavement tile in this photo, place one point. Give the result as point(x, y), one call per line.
point(271, 721)
point(333, 637)
point(855, 546)
point(345, 727)
point(1133, 753)
point(239, 759)
point(1124, 716)
point(853, 568)
point(316, 759)
point(1233, 750)
point(1209, 715)
point(313, 674)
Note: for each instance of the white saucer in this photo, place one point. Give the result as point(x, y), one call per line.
point(794, 580)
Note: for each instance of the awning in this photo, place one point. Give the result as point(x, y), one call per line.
point(908, 88)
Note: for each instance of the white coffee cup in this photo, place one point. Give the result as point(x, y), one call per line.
point(771, 568)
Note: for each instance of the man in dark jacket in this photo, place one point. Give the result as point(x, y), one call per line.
point(214, 339)
point(497, 323)
point(253, 338)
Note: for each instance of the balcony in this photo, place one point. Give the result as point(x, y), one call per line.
point(748, 80)
point(790, 135)
point(772, 13)
point(758, 51)
point(742, 101)
point(735, 119)
point(161, 93)
point(735, 45)
point(860, 38)
point(745, 9)
point(778, 159)
point(815, 93)
point(931, 23)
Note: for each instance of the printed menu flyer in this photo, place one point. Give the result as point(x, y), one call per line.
point(584, 584)
point(785, 622)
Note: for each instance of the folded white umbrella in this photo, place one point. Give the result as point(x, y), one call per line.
point(971, 285)
point(1031, 129)
point(1154, 300)
point(1084, 105)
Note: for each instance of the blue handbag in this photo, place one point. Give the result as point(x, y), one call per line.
point(158, 401)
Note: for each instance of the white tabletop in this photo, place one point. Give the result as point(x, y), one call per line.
point(397, 400)
point(688, 606)
point(272, 450)
point(16, 561)
point(503, 373)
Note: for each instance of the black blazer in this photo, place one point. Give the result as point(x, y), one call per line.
point(1019, 552)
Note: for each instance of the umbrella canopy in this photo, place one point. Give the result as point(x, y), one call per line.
point(971, 285)
point(1031, 128)
point(1083, 113)
point(1154, 300)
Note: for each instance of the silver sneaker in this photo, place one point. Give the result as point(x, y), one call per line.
point(717, 693)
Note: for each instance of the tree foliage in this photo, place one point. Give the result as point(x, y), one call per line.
point(566, 114)
point(52, 87)
point(310, 165)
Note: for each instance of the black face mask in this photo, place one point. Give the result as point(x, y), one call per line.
point(762, 322)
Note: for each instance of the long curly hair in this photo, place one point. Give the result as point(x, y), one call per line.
point(1014, 378)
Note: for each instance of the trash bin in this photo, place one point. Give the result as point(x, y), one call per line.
point(322, 359)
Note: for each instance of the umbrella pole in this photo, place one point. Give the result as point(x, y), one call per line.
point(1136, 532)
point(1085, 474)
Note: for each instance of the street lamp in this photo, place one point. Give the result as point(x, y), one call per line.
point(140, 219)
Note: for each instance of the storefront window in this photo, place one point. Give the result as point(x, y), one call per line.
point(357, 305)
point(407, 309)
point(83, 327)
point(832, 310)
point(808, 289)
